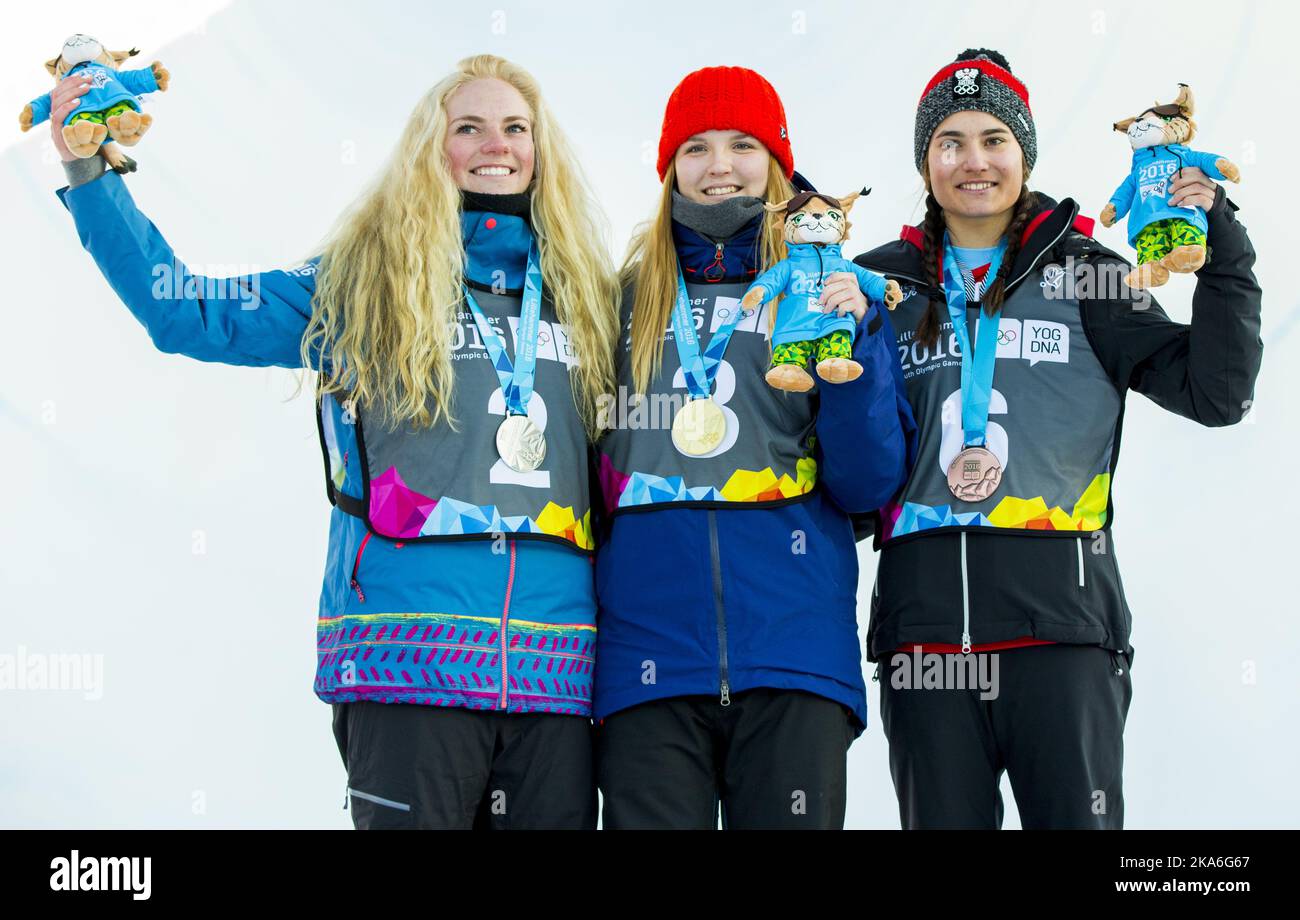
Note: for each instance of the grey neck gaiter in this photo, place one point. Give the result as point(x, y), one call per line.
point(719, 221)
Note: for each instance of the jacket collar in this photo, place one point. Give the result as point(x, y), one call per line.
point(1148, 153)
point(903, 257)
point(496, 233)
point(813, 252)
point(712, 261)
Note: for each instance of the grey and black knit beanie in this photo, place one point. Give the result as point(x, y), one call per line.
point(978, 80)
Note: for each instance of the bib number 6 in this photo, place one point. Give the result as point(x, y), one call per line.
point(995, 436)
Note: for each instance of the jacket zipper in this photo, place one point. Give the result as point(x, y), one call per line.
point(965, 601)
point(717, 262)
point(361, 595)
point(505, 616)
point(965, 588)
point(725, 678)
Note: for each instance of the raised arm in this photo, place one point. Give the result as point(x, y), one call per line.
point(254, 320)
point(1204, 371)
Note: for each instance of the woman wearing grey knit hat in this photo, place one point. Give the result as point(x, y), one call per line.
point(999, 623)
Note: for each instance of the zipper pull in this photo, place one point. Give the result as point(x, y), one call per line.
point(726, 694)
point(965, 643)
point(875, 678)
point(347, 790)
point(356, 563)
point(709, 275)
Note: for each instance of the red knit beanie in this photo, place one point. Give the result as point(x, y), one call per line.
point(725, 98)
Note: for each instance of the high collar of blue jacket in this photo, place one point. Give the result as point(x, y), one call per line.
point(1144, 154)
point(707, 260)
point(812, 254)
point(496, 232)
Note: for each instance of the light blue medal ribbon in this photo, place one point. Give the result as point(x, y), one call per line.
point(516, 377)
point(977, 367)
point(700, 369)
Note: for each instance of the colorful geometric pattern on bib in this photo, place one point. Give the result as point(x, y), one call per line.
point(623, 491)
point(1089, 513)
point(397, 510)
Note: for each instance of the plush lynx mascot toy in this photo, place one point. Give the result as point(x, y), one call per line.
point(1167, 238)
point(109, 111)
point(815, 226)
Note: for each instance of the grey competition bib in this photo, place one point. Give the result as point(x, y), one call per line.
point(439, 484)
point(765, 456)
point(1052, 417)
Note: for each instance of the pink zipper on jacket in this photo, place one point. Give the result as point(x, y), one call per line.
point(505, 615)
point(361, 595)
point(356, 563)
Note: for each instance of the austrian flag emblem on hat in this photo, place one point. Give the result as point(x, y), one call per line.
point(965, 82)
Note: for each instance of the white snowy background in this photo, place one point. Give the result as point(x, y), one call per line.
point(118, 462)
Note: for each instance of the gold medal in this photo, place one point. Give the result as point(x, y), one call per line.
point(699, 427)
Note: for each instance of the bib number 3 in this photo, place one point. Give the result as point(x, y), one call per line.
point(724, 388)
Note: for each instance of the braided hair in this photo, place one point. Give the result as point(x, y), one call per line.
point(932, 230)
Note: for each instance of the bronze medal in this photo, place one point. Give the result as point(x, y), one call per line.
point(974, 474)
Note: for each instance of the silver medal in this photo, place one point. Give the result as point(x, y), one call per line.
point(521, 443)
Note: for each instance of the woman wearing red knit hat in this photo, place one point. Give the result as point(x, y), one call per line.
point(998, 618)
point(729, 674)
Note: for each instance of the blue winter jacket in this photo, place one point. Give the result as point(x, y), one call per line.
point(443, 623)
point(718, 600)
point(800, 276)
point(108, 87)
point(1146, 188)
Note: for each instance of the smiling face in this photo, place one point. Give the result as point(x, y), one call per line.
point(489, 143)
point(716, 165)
point(976, 166)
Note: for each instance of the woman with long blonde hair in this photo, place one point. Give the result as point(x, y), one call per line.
point(461, 316)
point(730, 677)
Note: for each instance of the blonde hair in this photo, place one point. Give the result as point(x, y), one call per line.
point(389, 283)
point(651, 265)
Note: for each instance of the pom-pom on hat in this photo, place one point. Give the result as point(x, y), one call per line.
point(978, 80)
point(722, 98)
